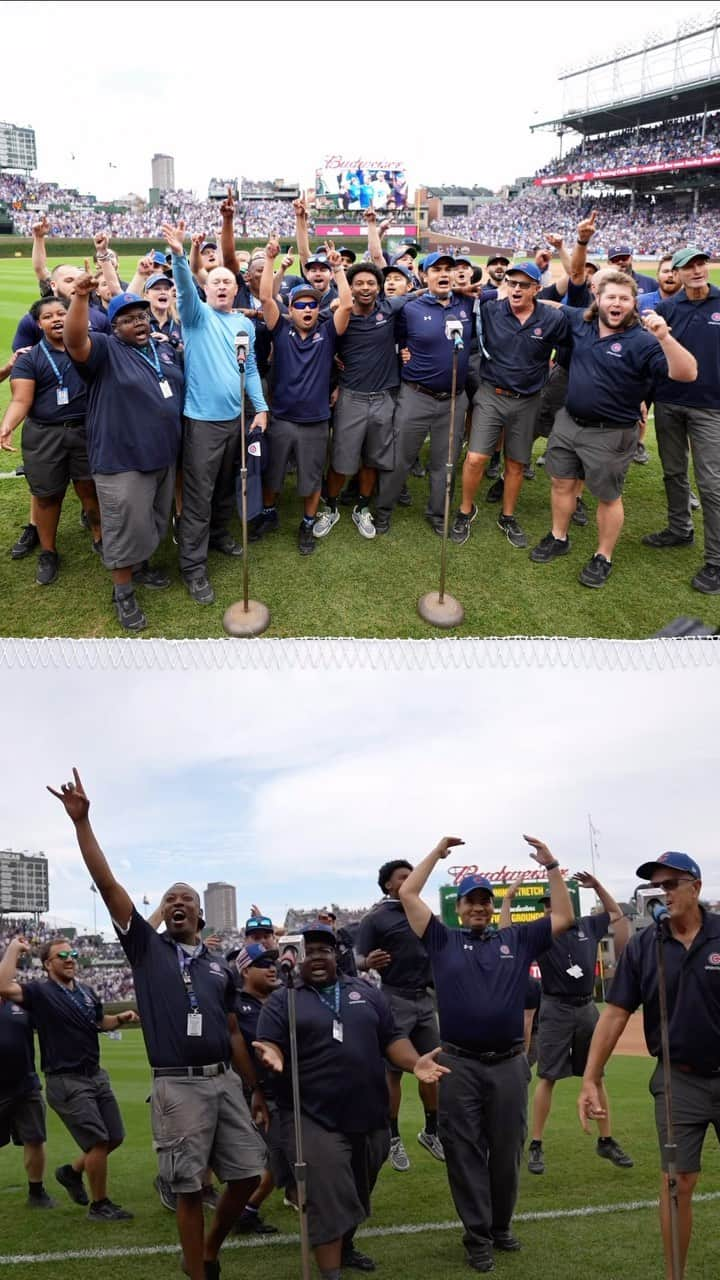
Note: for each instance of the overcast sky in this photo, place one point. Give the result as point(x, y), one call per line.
point(268, 89)
point(295, 785)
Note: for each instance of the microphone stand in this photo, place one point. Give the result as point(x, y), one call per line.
point(246, 617)
point(437, 607)
point(300, 1167)
point(669, 1146)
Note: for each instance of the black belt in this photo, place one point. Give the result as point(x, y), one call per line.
point(409, 993)
point(708, 1073)
point(503, 391)
point(488, 1058)
point(550, 995)
point(69, 422)
point(212, 1069)
point(367, 395)
point(76, 1071)
point(600, 424)
point(427, 391)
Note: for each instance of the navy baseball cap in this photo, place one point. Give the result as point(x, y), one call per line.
point(318, 260)
point(530, 269)
point(462, 257)
point(303, 290)
point(398, 266)
point(433, 258)
point(622, 251)
point(160, 259)
point(159, 277)
point(322, 931)
point(469, 883)
point(676, 862)
point(259, 923)
point(122, 301)
point(254, 954)
point(684, 256)
point(208, 244)
point(404, 249)
point(349, 253)
point(498, 257)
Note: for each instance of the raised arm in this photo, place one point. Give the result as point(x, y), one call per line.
point(77, 806)
point(682, 366)
point(23, 394)
point(342, 313)
point(506, 908)
point(270, 308)
point(227, 233)
point(585, 232)
point(39, 249)
point(418, 912)
point(143, 271)
point(374, 239)
point(561, 910)
point(189, 304)
point(301, 230)
point(588, 881)
point(103, 257)
point(195, 261)
point(75, 334)
point(10, 988)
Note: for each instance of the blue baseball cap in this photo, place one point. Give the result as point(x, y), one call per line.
point(303, 290)
point(318, 930)
point(160, 259)
point(208, 244)
point(159, 277)
point(621, 251)
point(433, 258)
point(122, 301)
point(676, 861)
point(462, 257)
point(257, 923)
point(469, 883)
point(318, 260)
point(530, 269)
point(398, 266)
point(349, 253)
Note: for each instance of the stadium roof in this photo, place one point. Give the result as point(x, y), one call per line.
point(666, 104)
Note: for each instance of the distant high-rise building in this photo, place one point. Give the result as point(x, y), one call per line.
point(221, 905)
point(163, 172)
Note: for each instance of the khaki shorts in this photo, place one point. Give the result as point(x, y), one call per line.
point(200, 1122)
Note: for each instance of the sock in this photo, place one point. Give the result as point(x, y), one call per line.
point(363, 501)
point(604, 1142)
point(431, 1121)
point(98, 1204)
point(334, 1274)
point(36, 1190)
point(394, 1132)
point(331, 503)
point(309, 520)
point(268, 511)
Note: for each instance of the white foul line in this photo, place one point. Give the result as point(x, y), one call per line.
point(405, 1229)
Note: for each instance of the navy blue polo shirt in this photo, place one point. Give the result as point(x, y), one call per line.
point(519, 351)
point(303, 368)
point(247, 1012)
point(645, 284)
point(35, 366)
point(342, 1084)
point(28, 332)
point(693, 992)
point(696, 326)
point(368, 348)
point(481, 981)
point(420, 326)
point(386, 928)
point(67, 1022)
point(130, 424)
point(577, 946)
point(289, 282)
point(610, 377)
point(163, 1003)
point(17, 1051)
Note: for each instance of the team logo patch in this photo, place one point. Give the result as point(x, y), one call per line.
point(317, 337)
point(616, 346)
point(504, 951)
point(355, 995)
point(714, 958)
point(537, 333)
point(463, 315)
point(215, 967)
point(715, 315)
point(255, 448)
point(380, 319)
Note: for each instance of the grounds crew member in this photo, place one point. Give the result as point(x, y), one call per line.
point(260, 929)
point(68, 1016)
point(568, 1015)
point(345, 1033)
point(22, 1107)
point(185, 996)
point(346, 962)
point(621, 258)
point(386, 943)
point(691, 948)
point(481, 977)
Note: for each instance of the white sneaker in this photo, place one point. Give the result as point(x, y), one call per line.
point(431, 1143)
point(399, 1156)
point(363, 522)
point(325, 522)
point(290, 1204)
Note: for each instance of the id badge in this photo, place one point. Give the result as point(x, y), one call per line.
point(574, 971)
point(62, 396)
point(166, 389)
point(337, 1030)
point(194, 1024)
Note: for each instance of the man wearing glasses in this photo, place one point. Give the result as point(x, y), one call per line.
point(68, 1016)
point(690, 939)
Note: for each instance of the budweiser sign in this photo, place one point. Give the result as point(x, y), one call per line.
point(504, 875)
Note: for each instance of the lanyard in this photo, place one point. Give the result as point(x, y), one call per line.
point(154, 362)
point(479, 329)
point(333, 1006)
point(48, 356)
point(185, 961)
point(82, 999)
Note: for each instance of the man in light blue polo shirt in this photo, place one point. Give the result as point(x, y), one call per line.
point(211, 436)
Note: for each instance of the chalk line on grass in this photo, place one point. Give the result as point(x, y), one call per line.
point(403, 1229)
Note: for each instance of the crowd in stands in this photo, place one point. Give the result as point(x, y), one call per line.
point(657, 144)
point(101, 965)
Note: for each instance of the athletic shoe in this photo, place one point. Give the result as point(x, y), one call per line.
point(363, 522)
point(168, 1198)
point(398, 1156)
point(153, 578)
point(512, 531)
point(694, 501)
point(326, 521)
point(47, 568)
point(72, 1181)
point(404, 497)
point(29, 539)
point(493, 467)
point(641, 455)
point(431, 1143)
point(549, 548)
point(381, 522)
point(249, 1224)
point(496, 491)
point(536, 1158)
point(506, 1241)
point(266, 522)
point(418, 470)
point(290, 1204)
point(41, 1201)
point(355, 1260)
point(596, 571)
point(199, 588)
point(481, 1261)
point(98, 547)
point(708, 580)
point(210, 1197)
point(226, 545)
point(529, 472)
point(460, 527)
point(580, 515)
point(609, 1149)
point(130, 615)
point(540, 461)
point(106, 1211)
point(84, 520)
point(306, 538)
point(666, 538)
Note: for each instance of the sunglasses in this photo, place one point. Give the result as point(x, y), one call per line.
point(309, 304)
point(669, 885)
point(519, 284)
point(66, 955)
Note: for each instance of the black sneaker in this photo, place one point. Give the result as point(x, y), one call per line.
point(529, 472)
point(512, 531)
point(266, 522)
point(168, 1198)
point(251, 1224)
point(306, 538)
point(418, 470)
point(153, 578)
point(404, 497)
point(72, 1182)
point(493, 467)
point(666, 538)
point(641, 455)
point(98, 548)
point(29, 539)
point(496, 491)
point(506, 1241)
point(460, 528)
point(596, 572)
point(381, 522)
point(549, 548)
point(41, 1201)
point(356, 1261)
point(536, 1159)
point(47, 569)
point(609, 1149)
point(130, 615)
point(106, 1211)
point(227, 546)
point(481, 1261)
point(199, 588)
point(580, 515)
point(708, 580)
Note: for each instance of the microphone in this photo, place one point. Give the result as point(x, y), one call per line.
point(658, 910)
point(454, 332)
point(292, 952)
point(242, 346)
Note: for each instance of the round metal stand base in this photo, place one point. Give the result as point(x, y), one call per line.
point(239, 621)
point(449, 613)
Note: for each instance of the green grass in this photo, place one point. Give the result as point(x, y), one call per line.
point(607, 1246)
point(352, 587)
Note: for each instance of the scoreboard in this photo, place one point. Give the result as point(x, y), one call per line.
point(23, 883)
point(17, 147)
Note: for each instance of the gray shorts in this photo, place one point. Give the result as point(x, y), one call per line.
point(281, 1170)
point(363, 431)
point(22, 1119)
point(87, 1107)
point(53, 456)
point(341, 1172)
point(415, 1018)
point(600, 456)
point(472, 382)
point(696, 1104)
point(309, 442)
point(563, 1037)
point(134, 512)
point(496, 415)
point(552, 398)
point(200, 1122)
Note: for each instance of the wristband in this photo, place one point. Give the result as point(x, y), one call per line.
point(552, 866)
point(102, 257)
point(584, 243)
